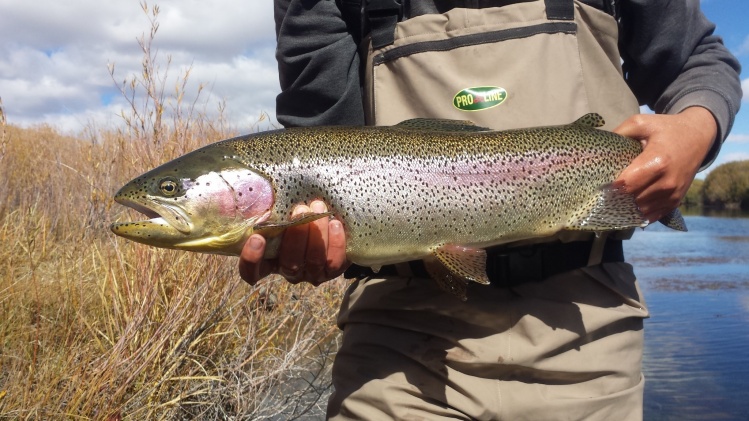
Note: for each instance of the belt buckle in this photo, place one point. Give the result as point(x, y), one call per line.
point(521, 266)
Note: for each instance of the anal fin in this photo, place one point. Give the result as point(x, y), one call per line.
point(453, 267)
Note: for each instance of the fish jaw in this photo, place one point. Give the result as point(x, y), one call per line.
point(212, 211)
point(157, 232)
point(161, 213)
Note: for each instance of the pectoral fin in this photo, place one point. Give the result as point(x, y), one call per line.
point(453, 266)
point(272, 229)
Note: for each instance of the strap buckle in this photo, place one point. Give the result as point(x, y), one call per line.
point(388, 7)
point(517, 267)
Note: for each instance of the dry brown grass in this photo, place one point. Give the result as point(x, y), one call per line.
point(95, 327)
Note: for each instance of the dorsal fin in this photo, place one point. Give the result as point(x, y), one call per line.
point(590, 120)
point(440, 125)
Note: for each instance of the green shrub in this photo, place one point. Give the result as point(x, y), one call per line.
point(727, 186)
point(694, 194)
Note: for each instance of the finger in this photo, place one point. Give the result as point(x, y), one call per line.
point(649, 180)
point(337, 261)
point(636, 179)
point(656, 216)
point(250, 259)
point(317, 246)
point(656, 202)
point(636, 127)
point(641, 184)
point(293, 249)
point(642, 177)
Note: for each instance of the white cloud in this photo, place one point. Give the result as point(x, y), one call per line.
point(55, 56)
point(745, 88)
point(738, 138)
point(736, 156)
point(744, 48)
point(728, 157)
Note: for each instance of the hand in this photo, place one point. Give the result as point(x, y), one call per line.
point(314, 252)
point(674, 147)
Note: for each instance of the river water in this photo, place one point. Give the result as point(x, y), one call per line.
point(696, 285)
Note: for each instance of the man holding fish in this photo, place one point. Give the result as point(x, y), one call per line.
point(558, 333)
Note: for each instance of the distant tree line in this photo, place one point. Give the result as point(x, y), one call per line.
point(726, 187)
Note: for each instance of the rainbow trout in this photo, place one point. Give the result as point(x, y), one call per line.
point(436, 190)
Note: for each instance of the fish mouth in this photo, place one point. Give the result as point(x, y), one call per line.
point(162, 215)
point(160, 231)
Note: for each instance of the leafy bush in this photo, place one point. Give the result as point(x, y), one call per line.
point(728, 186)
point(694, 194)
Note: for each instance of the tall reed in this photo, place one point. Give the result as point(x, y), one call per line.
point(95, 327)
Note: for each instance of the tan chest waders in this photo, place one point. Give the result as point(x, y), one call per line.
point(568, 347)
point(525, 64)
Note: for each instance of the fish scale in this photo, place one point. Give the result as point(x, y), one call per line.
point(437, 190)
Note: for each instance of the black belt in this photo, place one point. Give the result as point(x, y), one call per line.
point(508, 267)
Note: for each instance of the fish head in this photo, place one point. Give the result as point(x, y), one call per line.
point(204, 201)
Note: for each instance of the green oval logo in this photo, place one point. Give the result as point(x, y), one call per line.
point(479, 98)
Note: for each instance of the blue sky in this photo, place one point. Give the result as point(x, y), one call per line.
point(54, 57)
point(732, 20)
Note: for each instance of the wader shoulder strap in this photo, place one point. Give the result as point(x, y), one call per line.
point(560, 10)
point(381, 16)
point(612, 8)
point(353, 14)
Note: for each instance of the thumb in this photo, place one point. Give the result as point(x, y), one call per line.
point(635, 177)
point(636, 127)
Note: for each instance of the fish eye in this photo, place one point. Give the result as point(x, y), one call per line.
point(168, 187)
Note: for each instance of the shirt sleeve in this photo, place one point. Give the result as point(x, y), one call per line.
point(672, 60)
point(318, 65)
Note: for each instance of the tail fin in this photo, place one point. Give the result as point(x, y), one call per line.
point(674, 220)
